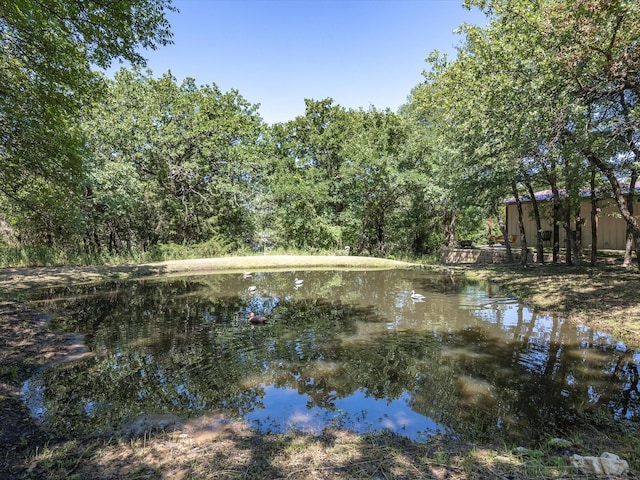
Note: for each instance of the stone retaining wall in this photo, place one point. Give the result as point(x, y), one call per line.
point(477, 255)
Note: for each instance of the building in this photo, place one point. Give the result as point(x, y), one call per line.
point(610, 224)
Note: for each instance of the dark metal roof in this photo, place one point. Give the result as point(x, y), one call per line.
point(547, 195)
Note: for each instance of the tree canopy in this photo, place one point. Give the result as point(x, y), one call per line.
point(49, 53)
point(544, 96)
point(169, 163)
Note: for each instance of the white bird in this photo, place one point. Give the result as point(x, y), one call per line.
point(251, 289)
point(417, 297)
point(247, 274)
point(298, 282)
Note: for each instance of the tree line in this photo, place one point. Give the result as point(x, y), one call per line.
point(545, 95)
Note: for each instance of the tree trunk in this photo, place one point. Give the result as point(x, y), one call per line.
point(505, 234)
point(490, 237)
point(629, 243)
point(419, 239)
point(449, 218)
point(569, 240)
point(594, 219)
point(536, 214)
point(620, 198)
point(523, 260)
point(550, 174)
point(556, 227)
point(382, 249)
point(628, 246)
point(577, 239)
point(577, 244)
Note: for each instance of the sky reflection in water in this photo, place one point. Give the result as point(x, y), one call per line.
point(357, 412)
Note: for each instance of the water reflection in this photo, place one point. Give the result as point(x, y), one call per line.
point(342, 348)
point(285, 407)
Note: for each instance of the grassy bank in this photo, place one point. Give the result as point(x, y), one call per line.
point(14, 280)
point(42, 256)
point(605, 297)
point(213, 447)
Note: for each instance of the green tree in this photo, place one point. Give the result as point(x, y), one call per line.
point(346, 177)
point(49, 50)
point(306, 182)
point(596, 53)
point(519, 108)
point(375, 178)
point(463, 106)
point(583, 55)
point(175, 163)
point(445, 182)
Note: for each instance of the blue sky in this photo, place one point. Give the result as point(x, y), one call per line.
point(279, 52)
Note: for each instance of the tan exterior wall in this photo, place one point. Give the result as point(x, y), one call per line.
point(611, 225)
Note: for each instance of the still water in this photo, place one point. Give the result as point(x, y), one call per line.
point(343, 349)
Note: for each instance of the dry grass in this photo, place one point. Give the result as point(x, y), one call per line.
point(230, 450)
point(15, 280)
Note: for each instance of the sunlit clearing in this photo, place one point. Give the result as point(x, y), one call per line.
point(214, 427)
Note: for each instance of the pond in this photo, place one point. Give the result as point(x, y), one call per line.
point(346, 349)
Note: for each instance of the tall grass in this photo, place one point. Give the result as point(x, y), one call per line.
point(42, 256)
point(45, 256)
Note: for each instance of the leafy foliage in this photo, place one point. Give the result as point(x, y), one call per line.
point(48, 50)
point(171, 163)
point(542, 96)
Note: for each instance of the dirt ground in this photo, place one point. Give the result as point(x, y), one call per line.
point(214, 447)
point(26, 344)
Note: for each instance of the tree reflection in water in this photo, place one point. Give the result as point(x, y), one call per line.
point(350, 349)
